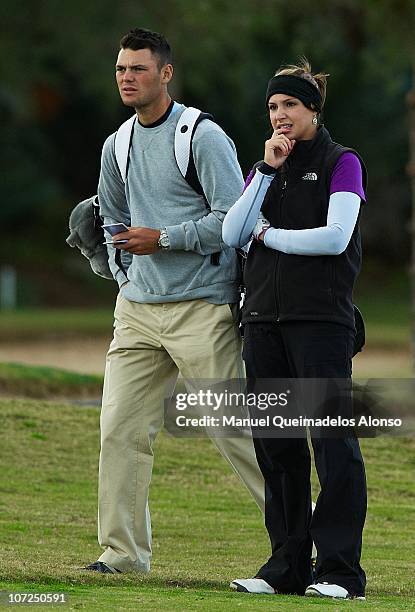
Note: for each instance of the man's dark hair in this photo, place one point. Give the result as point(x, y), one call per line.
point(139, 38)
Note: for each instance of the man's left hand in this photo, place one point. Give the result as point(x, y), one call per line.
point(141, 240)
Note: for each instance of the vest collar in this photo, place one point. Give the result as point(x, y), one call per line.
point(306, 148)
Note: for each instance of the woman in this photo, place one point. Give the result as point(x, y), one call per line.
point(301, 211)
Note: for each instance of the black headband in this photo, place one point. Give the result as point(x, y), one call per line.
point(297, 87)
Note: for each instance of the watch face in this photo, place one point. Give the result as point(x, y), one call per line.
point(164, 241)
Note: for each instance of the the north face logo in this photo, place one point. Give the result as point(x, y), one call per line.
point(310, 176)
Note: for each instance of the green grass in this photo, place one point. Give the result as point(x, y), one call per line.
point(382, 294)
point(387, 322)
point(27, 324)
point(46, 382)
point(206, 528)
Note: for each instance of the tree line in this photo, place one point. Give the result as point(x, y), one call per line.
point(58, 99)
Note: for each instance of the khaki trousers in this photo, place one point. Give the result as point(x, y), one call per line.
point(152, 343)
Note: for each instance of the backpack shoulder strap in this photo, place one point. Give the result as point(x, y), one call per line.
point(122, 144)
point(183, 137)
point(185, 129)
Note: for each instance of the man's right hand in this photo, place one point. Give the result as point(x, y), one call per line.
point(277, 149)
point(140, 240)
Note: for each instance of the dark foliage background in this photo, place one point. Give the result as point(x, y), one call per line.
point(58, 103)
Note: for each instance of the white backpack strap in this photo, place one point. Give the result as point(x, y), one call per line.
point(122, 145)
point(183, 137)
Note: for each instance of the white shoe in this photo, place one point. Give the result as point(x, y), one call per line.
point(324, 589)
point(252, 585)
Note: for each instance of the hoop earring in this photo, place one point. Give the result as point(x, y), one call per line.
point(314, 121)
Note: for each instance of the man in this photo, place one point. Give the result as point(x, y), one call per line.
point(173, 310)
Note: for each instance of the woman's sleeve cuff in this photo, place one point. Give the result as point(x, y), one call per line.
point(266, 169)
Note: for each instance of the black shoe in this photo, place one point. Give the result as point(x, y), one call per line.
point(102, 568)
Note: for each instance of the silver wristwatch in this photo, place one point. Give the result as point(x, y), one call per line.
point(163, 241)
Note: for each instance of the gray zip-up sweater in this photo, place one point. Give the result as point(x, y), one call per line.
point(156, 195)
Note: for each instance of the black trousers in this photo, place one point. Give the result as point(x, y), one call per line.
point(308, 350)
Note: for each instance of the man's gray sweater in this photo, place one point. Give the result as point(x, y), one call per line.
point(156, 196)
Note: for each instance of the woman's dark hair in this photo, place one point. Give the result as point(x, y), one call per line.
point(139, 38)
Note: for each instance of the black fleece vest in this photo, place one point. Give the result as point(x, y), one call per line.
point(281, 287)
